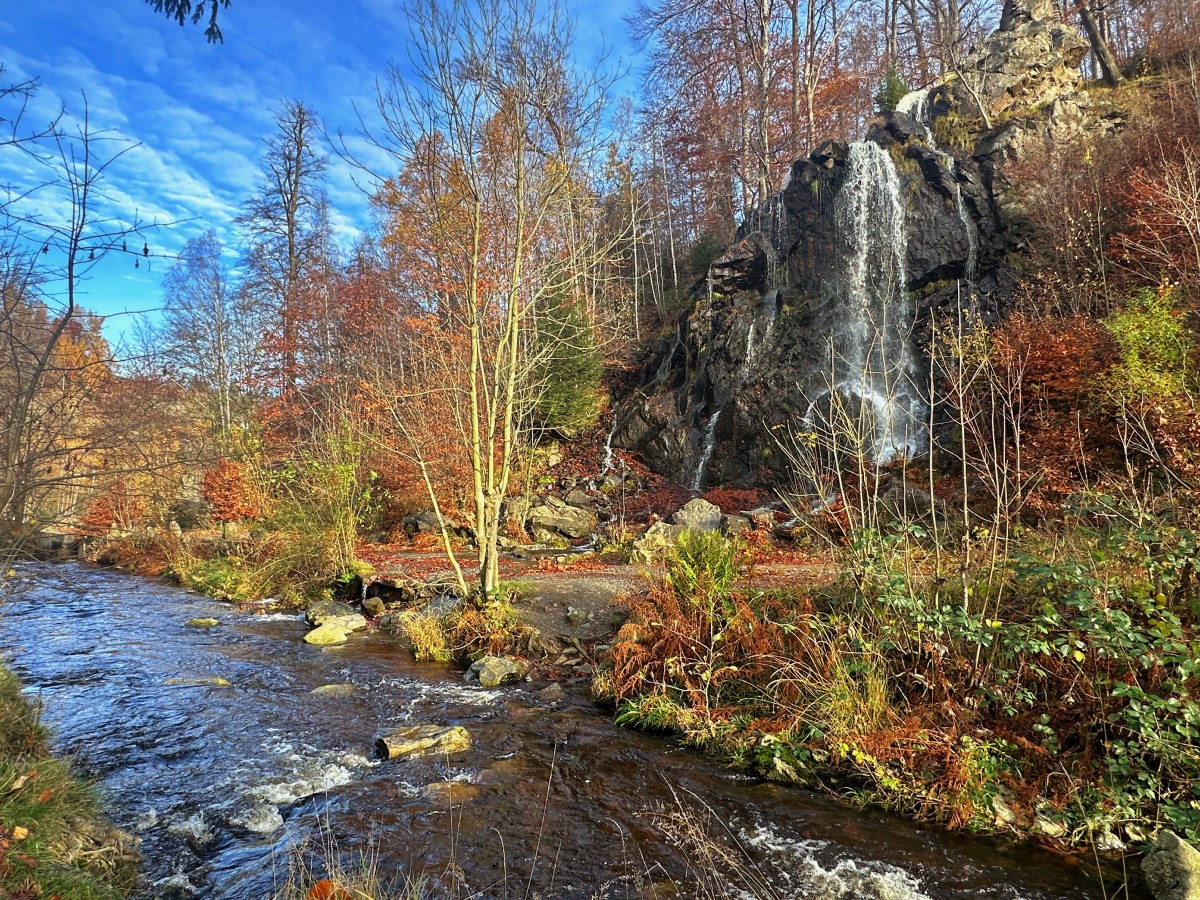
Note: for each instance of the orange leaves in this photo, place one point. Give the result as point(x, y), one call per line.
point(230, 493)
point(327, 889)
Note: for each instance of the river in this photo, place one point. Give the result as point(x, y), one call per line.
point(224, 784)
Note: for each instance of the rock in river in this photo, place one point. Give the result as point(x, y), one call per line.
point(423, 740)
point(326, 634)
point(493, 671)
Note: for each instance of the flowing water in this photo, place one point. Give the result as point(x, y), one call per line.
point(222, 782)
point(873, 369)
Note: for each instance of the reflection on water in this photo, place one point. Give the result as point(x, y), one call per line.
point(222, 782)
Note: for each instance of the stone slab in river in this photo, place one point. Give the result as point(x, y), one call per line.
point(423, 740)
point(326, 634)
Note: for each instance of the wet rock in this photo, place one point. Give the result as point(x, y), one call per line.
point(698, 515)
point(450, 793)
point(551, 694)
point(423, 740)
point(1172, 868)
point(214, 680)
point(1004, 813)
point(374, 607)
point(494, 671)
point(317, 613)
point(325, 635)
point(201, 622)
point(334, 690)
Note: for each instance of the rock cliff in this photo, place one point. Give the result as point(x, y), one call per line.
point(821, 303)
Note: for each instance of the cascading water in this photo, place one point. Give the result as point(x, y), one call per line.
point(915, 105)
point(873, 375)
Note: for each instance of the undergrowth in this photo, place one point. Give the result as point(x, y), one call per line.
point(48, 817)
point(1055, 689)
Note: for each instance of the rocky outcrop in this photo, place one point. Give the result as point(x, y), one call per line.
point(555, 519)
point(749, 364)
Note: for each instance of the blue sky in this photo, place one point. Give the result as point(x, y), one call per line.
point(199, 112)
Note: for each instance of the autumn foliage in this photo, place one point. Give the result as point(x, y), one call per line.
point(230, 493)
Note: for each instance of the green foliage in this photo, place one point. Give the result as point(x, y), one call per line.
point(703, 567)
point(1155, 347)
point(223, 577)
point(894, 88)
point(565, 376)
point(41, 805)
point(702, 254)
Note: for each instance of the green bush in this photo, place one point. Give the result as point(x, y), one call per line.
point(565, 376)
point(1155, 347)
point(894, 88)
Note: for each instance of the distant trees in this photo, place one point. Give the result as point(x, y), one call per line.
point(286, 222)
point(209, 337)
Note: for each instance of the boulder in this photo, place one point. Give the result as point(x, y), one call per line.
point(325, 634)
point(699, 515)
point(1172, 868)
point(559, 518)
point(423, 740)
point(203, 623)
point(494, 671)
point(658, 540)
point(317, 613)
point(374, 607)
point(735, 525)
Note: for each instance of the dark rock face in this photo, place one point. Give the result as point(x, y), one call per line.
point(750, 361)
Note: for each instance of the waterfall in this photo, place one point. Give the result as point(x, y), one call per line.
point(707, 446)
point(915, 105)
point(874, 368)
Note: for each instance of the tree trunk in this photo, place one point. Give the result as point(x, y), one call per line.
point(1100, 49)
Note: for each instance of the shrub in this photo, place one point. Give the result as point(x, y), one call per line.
point(565, 376)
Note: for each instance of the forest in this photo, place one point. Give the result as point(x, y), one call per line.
point(866, 329)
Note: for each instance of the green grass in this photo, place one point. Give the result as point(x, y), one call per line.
point(47, 816)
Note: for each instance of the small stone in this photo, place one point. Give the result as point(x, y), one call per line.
point(577, 616)
point(1172, 868)
point(423, 740)
point(325, 635)
point(214, 680)
point(334, 690)
point(203, 623)
point(494, 671)
point(552, 693)
point(374, 607)
point(1004, 812)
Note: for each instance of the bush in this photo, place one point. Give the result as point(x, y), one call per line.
point(890, 93)
point(566, 372)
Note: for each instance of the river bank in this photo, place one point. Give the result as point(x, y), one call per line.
point(53, 840)
point(941, 763)
point(216, 747)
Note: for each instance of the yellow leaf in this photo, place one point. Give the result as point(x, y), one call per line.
point(1079, 655)
point(19, 833)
